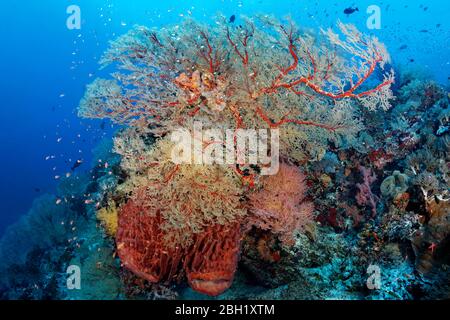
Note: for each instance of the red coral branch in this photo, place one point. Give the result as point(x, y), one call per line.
point(213, 63)
point(244, 41)
point(272, 124)
point(171, 174)
point(309, 80)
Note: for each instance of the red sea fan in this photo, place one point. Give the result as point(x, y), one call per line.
point(279, 205)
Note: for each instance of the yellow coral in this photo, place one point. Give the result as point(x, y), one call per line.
point(108, 217)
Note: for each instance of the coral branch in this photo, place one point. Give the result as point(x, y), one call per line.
point(246, 35)
point(208, 56)
point(371, 54)
point(284, 120)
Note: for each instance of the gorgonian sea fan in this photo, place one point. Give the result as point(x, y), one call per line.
point(264, 74)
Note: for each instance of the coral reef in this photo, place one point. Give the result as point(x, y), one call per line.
point(362, 182)
point(226, 78)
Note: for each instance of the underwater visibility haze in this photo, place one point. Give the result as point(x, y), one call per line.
point(252, 149)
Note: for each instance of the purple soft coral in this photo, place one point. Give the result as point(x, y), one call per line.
point(365, 196)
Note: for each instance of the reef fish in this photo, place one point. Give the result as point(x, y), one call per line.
point(77, 164)
point(232, 19)
point(350, 10)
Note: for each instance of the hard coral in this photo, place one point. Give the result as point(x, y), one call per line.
point(395, 184)
point(209, 263)
point(431, 244)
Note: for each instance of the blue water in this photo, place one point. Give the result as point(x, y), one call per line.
point(44, 68)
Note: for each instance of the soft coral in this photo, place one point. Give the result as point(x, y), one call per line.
point(280, 205)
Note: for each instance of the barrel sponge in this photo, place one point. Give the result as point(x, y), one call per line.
point(210, 261)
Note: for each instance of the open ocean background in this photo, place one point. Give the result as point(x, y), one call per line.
point(45, 67)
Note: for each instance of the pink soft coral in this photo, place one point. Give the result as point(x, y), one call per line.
point(365, 197)
point(279, 205)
